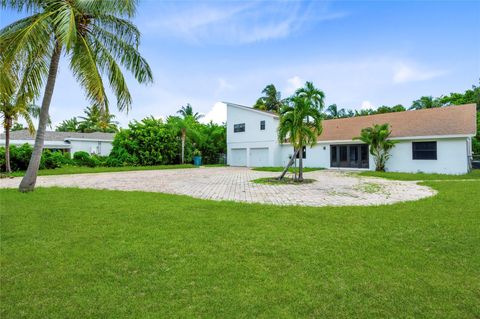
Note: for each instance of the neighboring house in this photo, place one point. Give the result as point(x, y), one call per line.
point(93, 143)
point(435, 140)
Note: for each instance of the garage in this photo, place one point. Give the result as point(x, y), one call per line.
point(259, 157)
point(238, 157)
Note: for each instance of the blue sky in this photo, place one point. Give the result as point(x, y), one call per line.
point(361, 53)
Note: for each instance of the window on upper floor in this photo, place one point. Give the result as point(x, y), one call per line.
point(262, 125)
point(424, 150)
point(239, 128)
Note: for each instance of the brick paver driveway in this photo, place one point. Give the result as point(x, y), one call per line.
point(234, 183)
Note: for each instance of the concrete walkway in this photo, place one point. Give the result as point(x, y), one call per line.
point(331, 188)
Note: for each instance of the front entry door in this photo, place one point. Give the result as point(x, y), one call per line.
point(352, 155)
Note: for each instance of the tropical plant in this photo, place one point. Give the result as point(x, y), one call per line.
point(18, 127)
point(378, 139)
point(271, 100)
point(97, 120)
point(146, 142)
point(187, 111)
point(301, 124)
point(425, 102)
point(70, 125)
point(312, 94)
point(212, 142)
point(333, 112)
point(183, 127)
point(97, 39)
point(15, 103)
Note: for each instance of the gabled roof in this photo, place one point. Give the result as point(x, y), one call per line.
point(449, 120)
point(60, 136)
point(243, 107)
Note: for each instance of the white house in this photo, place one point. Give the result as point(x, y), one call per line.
point(93, 143)
point(435, 140)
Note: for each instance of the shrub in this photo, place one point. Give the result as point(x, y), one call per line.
point(51, 160)
point(84, 159)
point(149, 142)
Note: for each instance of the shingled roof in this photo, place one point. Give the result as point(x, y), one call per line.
point(450, 120)
point(59, 136)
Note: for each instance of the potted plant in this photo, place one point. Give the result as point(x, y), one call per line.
point(197, 157)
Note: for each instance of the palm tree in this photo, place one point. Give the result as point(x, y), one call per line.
point(12, 112)
point(377, 138)
point(186, 111)
point(70, 125)
point(97, 120)
point(334, 113)
point(14, 103)
point(301, 123)
point(97, 39)
point(315, 96)
point(425, 102)
point(271, 101)
point(183, 126)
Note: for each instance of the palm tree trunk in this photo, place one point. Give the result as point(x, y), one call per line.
point(300, 165)
point(8, 125)
point(28, 182)
point(183, 146)
point(290, 163)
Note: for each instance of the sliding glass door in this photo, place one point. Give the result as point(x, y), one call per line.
point(351, 155)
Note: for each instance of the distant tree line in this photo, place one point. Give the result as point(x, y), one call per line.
point(96, 119)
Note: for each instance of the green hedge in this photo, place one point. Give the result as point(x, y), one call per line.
point(20, 157)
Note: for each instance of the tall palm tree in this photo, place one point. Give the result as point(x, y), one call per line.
point(14, 103)
point(377, 138)
point(301, 123)
point(185, 127)
point(315, 96)
point(10, 112)
point(425, 102)
point(97, 120)
point(271, 100)
point(187, 110)
point(96, 38)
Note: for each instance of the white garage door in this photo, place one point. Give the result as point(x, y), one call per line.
point(238, 157)
point(259, 157)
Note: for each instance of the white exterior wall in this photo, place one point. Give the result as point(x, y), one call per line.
point(102, 148)
point(452, 157)
point(452, 153)
point(253, 137)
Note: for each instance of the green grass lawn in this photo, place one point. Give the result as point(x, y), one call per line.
point(475, 174)
point(84, 170)
point(280, 169)
point(73, 253)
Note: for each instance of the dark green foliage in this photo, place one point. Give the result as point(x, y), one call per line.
point(271, 100)
point(148, 142)
point(55, 159)
point(153, 142)
point(213, 144)
point(84, 159)
point(20, 156)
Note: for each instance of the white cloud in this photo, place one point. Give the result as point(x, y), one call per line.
point(237, 23)
point(218, 114)
point(367, 105)
point(294, 83)
point(403, 72)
